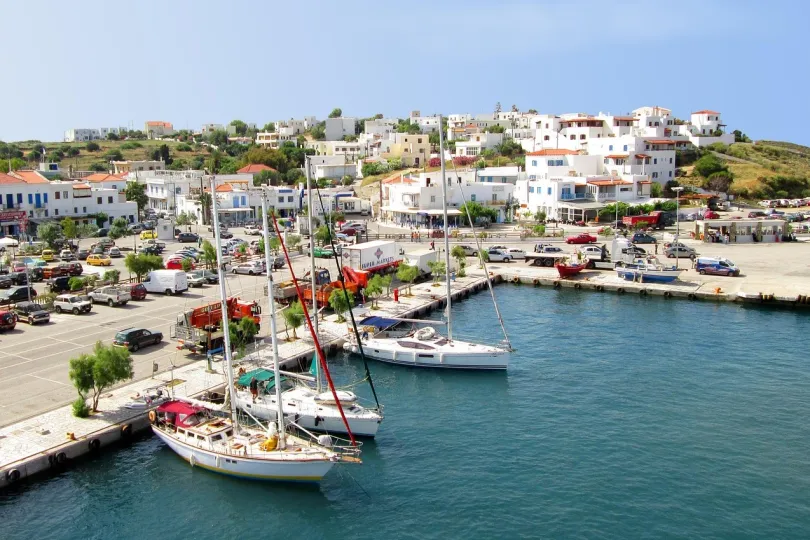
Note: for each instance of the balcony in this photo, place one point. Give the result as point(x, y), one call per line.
point(576, 197)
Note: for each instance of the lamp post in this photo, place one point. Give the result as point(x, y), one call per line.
point(677, 191)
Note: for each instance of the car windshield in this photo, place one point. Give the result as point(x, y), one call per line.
point(120, 336)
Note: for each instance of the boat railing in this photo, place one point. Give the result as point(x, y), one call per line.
point(337, 445)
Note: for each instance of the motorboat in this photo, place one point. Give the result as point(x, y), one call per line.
point(649, 270)
point(568, 269)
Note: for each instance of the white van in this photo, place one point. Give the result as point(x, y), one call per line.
point(166, 281)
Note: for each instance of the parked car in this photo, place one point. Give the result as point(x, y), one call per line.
point(547, 248)
point(251, 268)
point(756, 214)
point(207, 275)
point(498, 255)
point(101, 233)
point(148, 235)
point(135, 228)
point(99, 260)
point(356, 225)
point(136, 290)
point(82, 254)
point(72, 303)
point(643, 238)
point(634, 250)
point(31, 313)
point(104, 243)
point(516, 253)
point(5, 282)
point(114, 253)
point(58, 285)
point(17, 294)
point(195, 280)
point(72, 268)
point(149, 250)
point(187, 237)
point(112, 296)
point(583, 238)
point(167, 282)
point(176, 263)
point(716, 266)
point(135, 338)
point(469, 251)
point(711, 214)
point(323, 252)
point(8, 320)
point(98, 250)
point(67, 255)
point(225, 234)
point(593, 251)
point(188, 253)
point(48, 255)
point(253, 230)
point(19, 278)
point(36, 274)
point(277, 263)
point(680, 251)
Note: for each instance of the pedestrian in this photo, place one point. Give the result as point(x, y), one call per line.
point(199, 241)
point(656, 248)
point(254, 388)
point(432, 245)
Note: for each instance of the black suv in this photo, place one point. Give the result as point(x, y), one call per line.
point(58, 284)
point(19, 278)
point(31, 313)
point(135, 338)
point(16, 294)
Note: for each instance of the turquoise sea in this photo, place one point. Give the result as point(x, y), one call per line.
point(620, 417)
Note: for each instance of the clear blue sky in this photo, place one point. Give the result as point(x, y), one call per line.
point(107, 63)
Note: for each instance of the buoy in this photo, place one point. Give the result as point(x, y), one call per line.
point(12, 475)
point(126, 431)
point(536, 282)
point(152, 417)
point(95, 444)
point(718, 290)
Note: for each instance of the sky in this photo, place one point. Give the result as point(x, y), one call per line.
point(110, 63)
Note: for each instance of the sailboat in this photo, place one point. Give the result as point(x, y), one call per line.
point(426, 347)
point(213, 439)
point(311, 408)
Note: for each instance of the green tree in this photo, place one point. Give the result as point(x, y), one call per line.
point(118, 229)
point(293, 318)
point(76, 283)
point(407, 273)
point(271, 157)
point(350, 138)
point(322, 235)
point(719, 182)
point(656, 190)
point(165, 154)
point(240, 127)
point(69, 228)
point(72, 152)
point(92, 147)
point(339, 302)
point(497, 128)
point(98, 167)
point(85, 230)
point(209, 254)
point(242, 333)
point(266, 178)
point(112, 276)
point(136, 192)
point(740, 137)
point(184, 147)
point(318, 132)
point(142, 264)
point(386, 281)
point(114, 155)
point(708, 165)
point(293, 176)
point(101, 218)
point(218, 137)
point(460, 256)
point(269, 127)
point(478, 212)
point(337, 112)
point(206, 202)
point(540, 216)
point(347, 180)
point(96, 372)
point(374, 289)
point(438, 269)
point(49, 233)
point(15, 163)
point(183, 219)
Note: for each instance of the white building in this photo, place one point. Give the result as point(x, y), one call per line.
point(353, 150)
point(501, 175)
point(418, 200)
point(156, 129)
point(29, 199)
point(333, 167)
point(427, 124)
point(92, 134)
point(381, 127)
point(274, 139)
point(477, 143)
point(207, 129)
point(142, 165)
point(337, 128)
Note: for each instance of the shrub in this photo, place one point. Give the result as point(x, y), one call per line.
point(184, 147)
point(92, 147)
point(463, 161)
point(131, 145)
point(80, 408)
point(75, 283)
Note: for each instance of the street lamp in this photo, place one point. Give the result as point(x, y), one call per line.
point(677, 191)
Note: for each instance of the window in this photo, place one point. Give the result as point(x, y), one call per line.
point(84, 209)
point(45, 197)
point(670, 160)
point(55, 211)
point(531, 189)
point(30, 213)
point(647, 147)
point(573, 137)
point(109, 200)
point(75, 210)
point(420, 142)
point(433, 198)
point(551, 163)
point(472, 197)
point(290, 199)
point(98, 200)
point(655, 175)
point(610, 147)
point(549, 190)
point(534, 163)
point(57, 195)
point(546, 125)
point(606, 161)
point(19, 198)
point(46, 212)
point(625, 148)
point(177, 190)
point(30, 199)
point(670, 174)
point(581, 137)
point(624, 189)
point(559, 163)
point(545, 137)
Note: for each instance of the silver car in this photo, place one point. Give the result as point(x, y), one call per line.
point(680, 251)
point(251, 268)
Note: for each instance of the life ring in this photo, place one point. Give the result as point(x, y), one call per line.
point(152, 417)
point(600, 288)
point(667, 294)
point(577, 285)
point(691, 296)
point(557, 285)
point(126, 431)
point(516, 280)
point(643, 292)
point(94, 445)
point(61, 458)
point(12, 475)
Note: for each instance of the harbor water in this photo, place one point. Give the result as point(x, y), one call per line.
point(619, 417)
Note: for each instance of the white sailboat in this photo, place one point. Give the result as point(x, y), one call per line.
point(209, 438)
point(311, 408)
point(426, 347)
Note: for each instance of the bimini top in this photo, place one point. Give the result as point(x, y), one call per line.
point(179, 407)
point(379, 322)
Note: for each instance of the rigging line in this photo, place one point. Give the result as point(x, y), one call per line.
point(342, 279)
point(315, 339)
point(483, 262)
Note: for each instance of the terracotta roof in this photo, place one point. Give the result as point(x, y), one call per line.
point(660, 141)
point(642, 156)
point(644, 182)
point(31, 177)
point(101, 177)
point(613, 182)
point(224, 188)
point(254, 168)
point(582, 119)
point(6, 179)
point(158, 123)
point(705, 111)
point(617, 156)
point(81, 186)
point(628, 118)
point(553, 152)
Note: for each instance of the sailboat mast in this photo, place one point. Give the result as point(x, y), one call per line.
point(272, 315)
point(446, 235)
point(312, 274)
point(223, 297)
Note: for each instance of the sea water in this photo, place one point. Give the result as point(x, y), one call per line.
point(619, 417)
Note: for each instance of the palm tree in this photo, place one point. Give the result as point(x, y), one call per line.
point(205, 201)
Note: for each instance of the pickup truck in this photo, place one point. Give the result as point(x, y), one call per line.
point(112, 296)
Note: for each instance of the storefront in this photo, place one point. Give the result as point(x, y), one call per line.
point(739, 231)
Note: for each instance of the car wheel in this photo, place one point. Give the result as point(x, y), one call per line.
point(58, 309)
point(670, 256)
point(110, 302)
point(168, 292)
point(233, 271)
point(157, 340)
point(31, 321)
point(92, 300)
point(75, 311)
point(135, 347)
point(702, 272)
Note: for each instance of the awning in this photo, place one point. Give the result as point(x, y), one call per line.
point(379, 322)
point(583, 205)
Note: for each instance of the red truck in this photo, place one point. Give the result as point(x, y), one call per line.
point(199, 329)
point(654, 220)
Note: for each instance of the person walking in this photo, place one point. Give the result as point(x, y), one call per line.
point(432, 245)
point(199, 241)
point(254, 388)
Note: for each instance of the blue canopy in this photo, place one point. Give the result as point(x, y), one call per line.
point(379, 322)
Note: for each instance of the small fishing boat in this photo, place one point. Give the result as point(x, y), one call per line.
point(568, 269)
point(648, 270)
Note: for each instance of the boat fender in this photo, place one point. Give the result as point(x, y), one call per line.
point(516, 280)
point(325, 440)
point(577, 285)
point(691, 296)
point(643, 292)
point(536, 282)
point(620, 290)
point(94, 445)
point(557, 285)
point(667, 294)
point(126, 431)
point(12, 476)
point(600, 288)
point(152, 417)
point(61, 458)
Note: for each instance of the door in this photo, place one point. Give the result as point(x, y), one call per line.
point(9, 201)
point(37, 201)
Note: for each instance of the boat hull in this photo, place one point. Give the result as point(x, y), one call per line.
point(477, 360)
point(253, 469)
point(569, 270)
point(265, 409)
point(651, 276)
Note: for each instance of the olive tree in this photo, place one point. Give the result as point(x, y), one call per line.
point(374, 289)
point(408, 274)
point(96, 372)
point(341, 301)
point(293, 318)
point(460, 256)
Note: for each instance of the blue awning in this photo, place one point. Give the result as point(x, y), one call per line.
point(379, 322)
